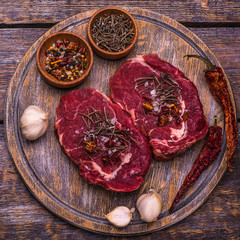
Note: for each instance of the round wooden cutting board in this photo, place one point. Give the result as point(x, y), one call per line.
point(53, 178)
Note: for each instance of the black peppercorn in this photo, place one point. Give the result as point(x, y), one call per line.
point(62, 56)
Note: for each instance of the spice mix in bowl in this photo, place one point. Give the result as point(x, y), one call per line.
point(112, 32)
point(64, 59)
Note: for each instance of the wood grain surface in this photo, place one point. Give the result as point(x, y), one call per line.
point(55, 181)
point(44, 11)
point(23, 22)
point(23, 217)
point(224, 42)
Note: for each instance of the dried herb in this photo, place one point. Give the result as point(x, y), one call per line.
point(113, 33)
point(66, 60)
point(103, 136)
point(161, 94)
point(218, 86)
point(207, 156)
point(164, 89)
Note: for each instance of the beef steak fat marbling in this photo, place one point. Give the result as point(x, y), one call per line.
point(162, 102)
point(102, 140)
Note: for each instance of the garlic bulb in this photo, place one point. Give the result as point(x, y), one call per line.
point(120, 216)
point(34, 122)
point(149, 206)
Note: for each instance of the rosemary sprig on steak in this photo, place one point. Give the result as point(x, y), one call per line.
point(165, 89)
point(102, 135)
point(161, 95)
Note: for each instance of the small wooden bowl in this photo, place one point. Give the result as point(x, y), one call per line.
point(41, 58)
point(105, 54)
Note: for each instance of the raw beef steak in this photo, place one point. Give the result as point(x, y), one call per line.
point(162, 102)
point(102, 140)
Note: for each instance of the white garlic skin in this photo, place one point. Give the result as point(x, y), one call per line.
point(120, 216)
point(149, 206)
point(33, 123)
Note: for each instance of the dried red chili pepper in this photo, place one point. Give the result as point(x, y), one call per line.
point(206, 157)
point(218, 86)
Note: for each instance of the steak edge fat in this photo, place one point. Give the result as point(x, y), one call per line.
point(163, 104)
point(102, 140)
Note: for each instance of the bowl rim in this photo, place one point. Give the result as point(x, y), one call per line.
point(94, 45)
point(51, 79)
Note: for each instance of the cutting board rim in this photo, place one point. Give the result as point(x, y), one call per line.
point(11, 108)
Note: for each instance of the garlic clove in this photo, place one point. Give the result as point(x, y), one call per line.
point(33, 123)
point(149, 206)
point(120, 216)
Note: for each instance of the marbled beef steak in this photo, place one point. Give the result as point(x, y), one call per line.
point(162, 102)
point(102, 140)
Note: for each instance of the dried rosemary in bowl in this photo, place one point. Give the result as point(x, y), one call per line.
point(113, 33)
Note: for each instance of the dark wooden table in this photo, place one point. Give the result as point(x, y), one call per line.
point(216, 22)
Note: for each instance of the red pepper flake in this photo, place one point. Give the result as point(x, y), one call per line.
point(163, 120)
point(90, 146)
point(185, 116)
point(105, 159)
point(173, 108)
point(147, 106)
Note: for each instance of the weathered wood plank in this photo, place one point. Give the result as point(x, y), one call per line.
point(64, 192)
point(22, 217)
point(27, 11)
point(21, 214)
point(224, 42)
